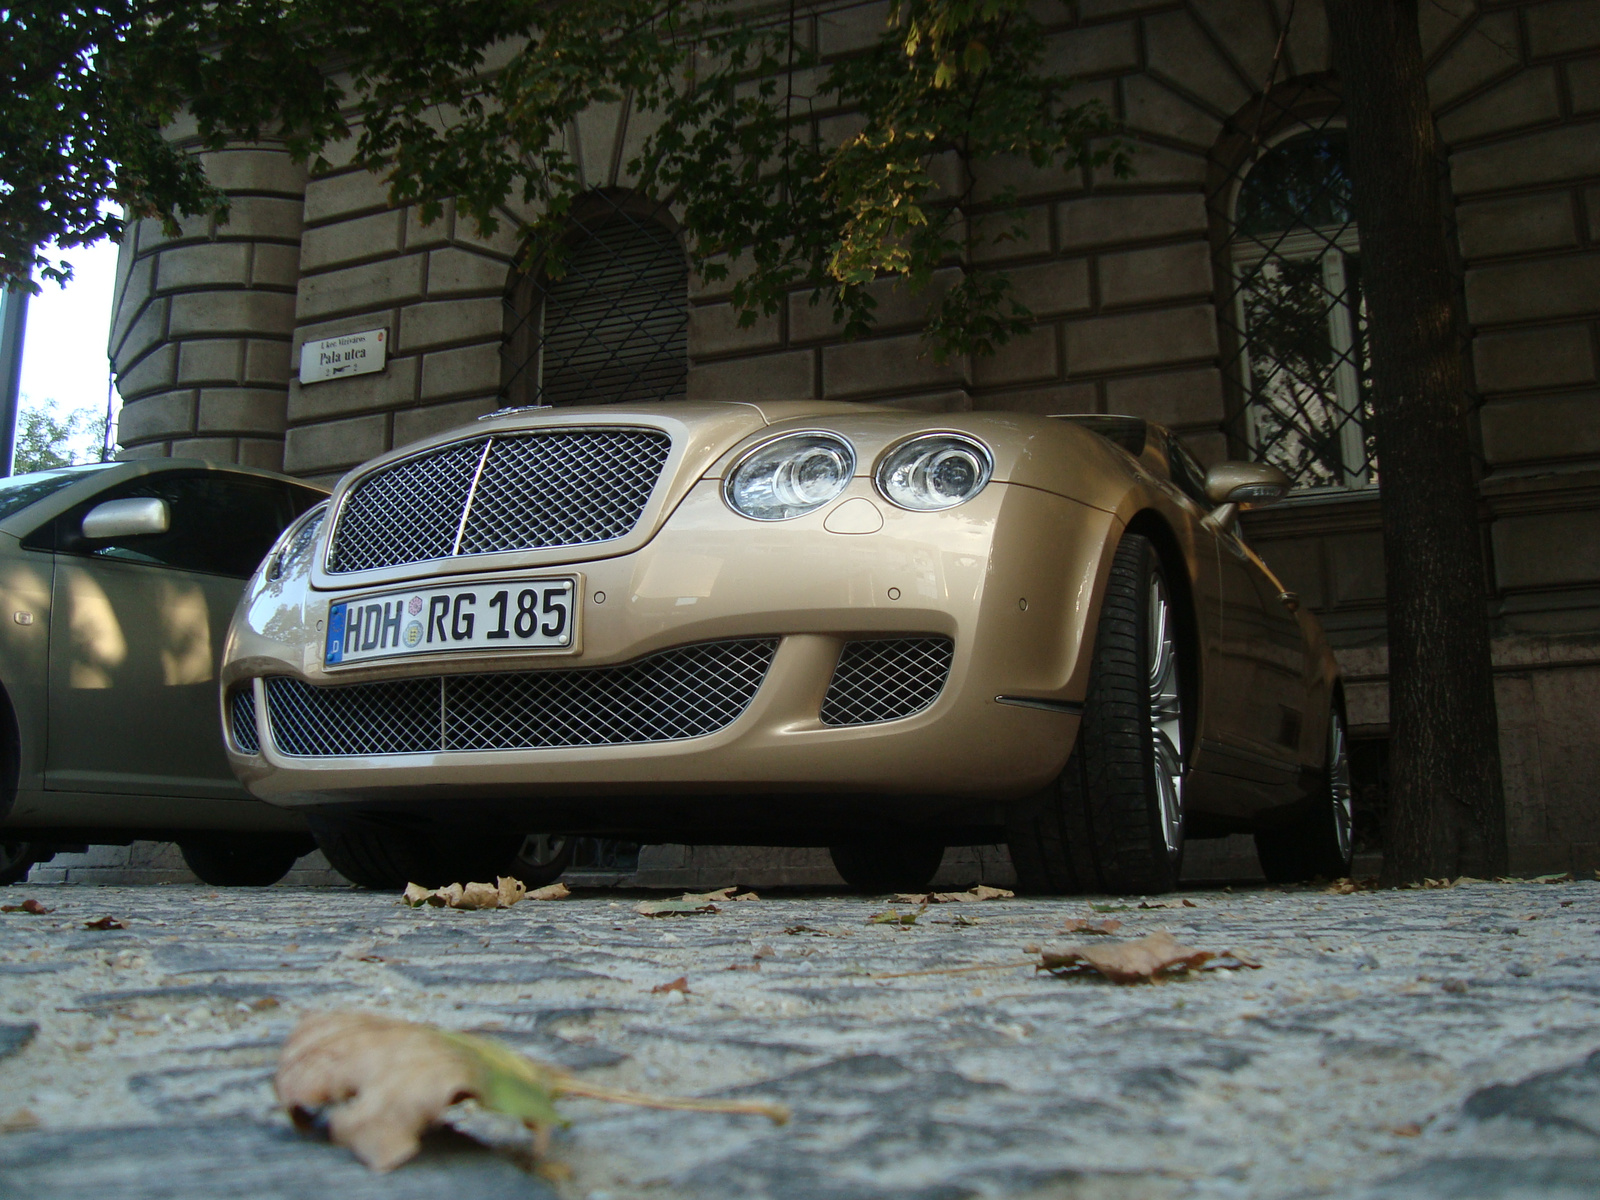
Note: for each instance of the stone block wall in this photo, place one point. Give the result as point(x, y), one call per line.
point(202, 320)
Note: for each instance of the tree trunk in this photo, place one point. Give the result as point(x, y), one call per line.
point(1446, 800)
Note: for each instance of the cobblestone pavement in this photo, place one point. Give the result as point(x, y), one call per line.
point(1412, 1044)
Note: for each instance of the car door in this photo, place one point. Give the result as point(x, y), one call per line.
point(137, 632)
point(1255, 691)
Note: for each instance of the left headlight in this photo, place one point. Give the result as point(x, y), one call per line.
point(790, 476)
point(294, 545)
point(934, 471)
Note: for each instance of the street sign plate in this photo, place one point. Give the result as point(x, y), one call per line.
point(347, 354)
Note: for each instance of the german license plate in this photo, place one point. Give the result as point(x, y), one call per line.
point(527, 614)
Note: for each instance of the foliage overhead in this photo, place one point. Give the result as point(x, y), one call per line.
point(44, 439)
point(471, 101)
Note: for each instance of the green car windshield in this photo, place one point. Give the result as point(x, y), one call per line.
point(19, 491)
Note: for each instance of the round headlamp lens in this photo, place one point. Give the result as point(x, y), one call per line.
point(791, 476)
point(938, 471)
point(296, 545)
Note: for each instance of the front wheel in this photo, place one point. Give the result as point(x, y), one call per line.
point(887, 864)
point(386, 859)
point(1320, 842)
point(542, 859)
point(240, 860)
point(17, 859)
point(1113, 820)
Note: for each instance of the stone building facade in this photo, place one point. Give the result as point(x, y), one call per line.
point(1171, 294)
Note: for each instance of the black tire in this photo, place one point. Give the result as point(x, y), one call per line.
point(17, 859)
point(1106, 824)
point(542, 859)
point(385, 859)
point(1320, 843)
point(241, 860)
point(887, 864)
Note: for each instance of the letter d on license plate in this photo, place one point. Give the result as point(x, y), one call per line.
point(526, 614)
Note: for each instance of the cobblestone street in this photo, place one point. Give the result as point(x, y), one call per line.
point(1393, 1044)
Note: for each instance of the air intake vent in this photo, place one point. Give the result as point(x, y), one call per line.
point(886, 679)
point(683, 693)
point(242, 718)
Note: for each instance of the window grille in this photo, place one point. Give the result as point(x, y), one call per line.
point(610, 324)
point(1294, 321)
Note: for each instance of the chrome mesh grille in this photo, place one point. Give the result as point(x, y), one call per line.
point(683, 693)
point(242, 718)
point(408, 513)
point(558, 487)
point(886, 678)
point(567, 488)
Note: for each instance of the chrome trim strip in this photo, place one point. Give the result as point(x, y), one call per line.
point(1070, 707)
point(472, 491)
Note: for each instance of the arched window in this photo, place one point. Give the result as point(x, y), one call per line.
point(611, 324)
point(1295, 312)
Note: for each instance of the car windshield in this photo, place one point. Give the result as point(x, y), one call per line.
point(20, 491)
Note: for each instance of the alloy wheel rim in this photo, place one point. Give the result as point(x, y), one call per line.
point(541, 849)
point(1339, 784)
point(1166, 716)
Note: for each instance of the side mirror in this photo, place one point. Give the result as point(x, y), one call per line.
point(135, 517)
point(1245, 483)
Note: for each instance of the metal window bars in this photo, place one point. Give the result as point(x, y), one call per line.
point(1292, 314)
point(610, 324)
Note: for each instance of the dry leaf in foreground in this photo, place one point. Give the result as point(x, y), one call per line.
point(972, 895)
point(381, 1082)
point(29, 905)
point(1079, 925)
point(720, 896)
point(503, 893)
point(1139, 961)
point(674, 908)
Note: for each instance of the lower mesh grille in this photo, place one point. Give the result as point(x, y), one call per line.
point(886, 679)
point(242, 718)
point(683, 693)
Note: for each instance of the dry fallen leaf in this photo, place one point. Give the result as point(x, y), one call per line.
point(680, 984)
point(674, 908)
point(1559, 877)
point(1139, 961)
point(380, 1082)
point(972, 895)
point(1079, 925)
point(29, 905)
point(22, 1118)
point(1349, 887)
point(1409, 1129)
point(104, 923)
point(503, 893)
point(895, 917)
point(719, 896)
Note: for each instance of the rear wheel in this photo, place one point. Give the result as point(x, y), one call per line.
point(1320, 843)
point(1113, 820)
point(17, 859)
point(386, 859)
point(542, 859)
point(240, 860)
point(887, 864)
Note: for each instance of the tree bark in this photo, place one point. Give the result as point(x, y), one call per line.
point(1446, 798)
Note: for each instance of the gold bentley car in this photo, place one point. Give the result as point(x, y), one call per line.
point(809, 624)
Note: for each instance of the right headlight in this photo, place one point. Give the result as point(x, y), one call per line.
point(934, 471)
point(790, 476)
point(293, 550)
